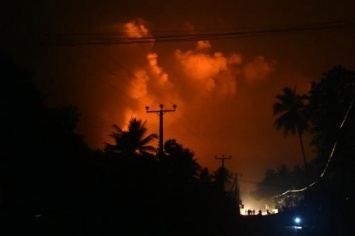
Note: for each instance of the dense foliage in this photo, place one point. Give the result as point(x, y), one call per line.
point(52, 183)
point(328, 114)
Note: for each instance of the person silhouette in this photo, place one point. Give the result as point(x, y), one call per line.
point(259, 213)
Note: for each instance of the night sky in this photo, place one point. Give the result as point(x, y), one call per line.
point(224, 88)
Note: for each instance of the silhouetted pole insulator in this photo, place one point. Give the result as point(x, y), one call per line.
point(222, 159)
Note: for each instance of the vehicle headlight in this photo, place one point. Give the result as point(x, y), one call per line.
point(297, 220)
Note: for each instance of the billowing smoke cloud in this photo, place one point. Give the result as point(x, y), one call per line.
point(211, 72)
point(133, 29)
point(203, 45)
point(196, 78)
point(258, 70)
point(228, 102)
point(136, 30)
point(162, 78)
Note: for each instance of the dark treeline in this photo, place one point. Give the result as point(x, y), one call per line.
point(279, 180)
point(53, 183)
point(327, 112)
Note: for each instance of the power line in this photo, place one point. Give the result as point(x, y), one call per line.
point(200, 135)
point(150, 87)
point(104, 66)
point(131, 74)
point(328, 161)
point(114, 38)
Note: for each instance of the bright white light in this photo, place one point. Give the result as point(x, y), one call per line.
point(297, 220)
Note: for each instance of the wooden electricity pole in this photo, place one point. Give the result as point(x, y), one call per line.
point(223, 158)
point(161, 113)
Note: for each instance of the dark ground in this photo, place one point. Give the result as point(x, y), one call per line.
point(283, 224)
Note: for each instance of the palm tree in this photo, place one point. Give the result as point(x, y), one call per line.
point(133, 141)
point(290, 111)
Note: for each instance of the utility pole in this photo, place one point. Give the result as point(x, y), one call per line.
point(223, 171)
point(161, 113)
point(235, 192)
point(222, 159)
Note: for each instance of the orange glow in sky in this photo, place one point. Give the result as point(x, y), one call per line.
point(224, 89)
point(217, 91)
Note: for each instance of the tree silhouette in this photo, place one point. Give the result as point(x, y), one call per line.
point(290, 111)
point(41, 165)
point(133, 141)
point(52, 183)
point(331, 100)
point(181, 160)
point(332, 117)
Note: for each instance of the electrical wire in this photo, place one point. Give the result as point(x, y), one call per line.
point(115, 38)
point(95, 61)
point(328, 161)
